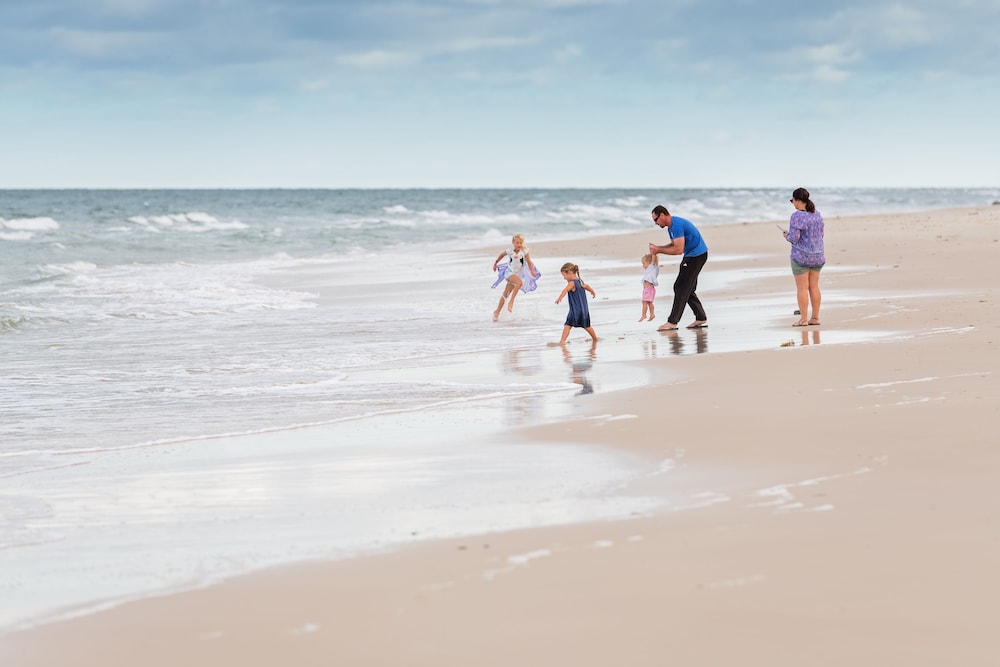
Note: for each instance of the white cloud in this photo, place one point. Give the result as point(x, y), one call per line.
point(568, 53)
point(831, 55)
point(879, 28)
point(314, 85)
point(904, 27)
point(126, 6)
point(532, 68)
point(829, 74)
point(481, 44)
point(94, 44)
point(377, 59)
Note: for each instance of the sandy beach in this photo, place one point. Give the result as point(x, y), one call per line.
point(830, 491)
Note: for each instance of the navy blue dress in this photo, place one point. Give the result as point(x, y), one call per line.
point(579, 313)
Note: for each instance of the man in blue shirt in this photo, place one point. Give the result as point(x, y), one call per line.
point(685, 240)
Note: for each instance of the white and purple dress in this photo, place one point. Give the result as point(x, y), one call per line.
point(516, 265)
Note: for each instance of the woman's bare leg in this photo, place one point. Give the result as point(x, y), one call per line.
point(802, 297)
point(815, 297)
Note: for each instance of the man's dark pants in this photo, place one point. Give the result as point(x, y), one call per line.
point(685, 286)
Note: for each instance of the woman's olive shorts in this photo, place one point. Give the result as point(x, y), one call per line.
point(798, 269)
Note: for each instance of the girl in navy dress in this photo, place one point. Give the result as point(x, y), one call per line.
point(575, 294)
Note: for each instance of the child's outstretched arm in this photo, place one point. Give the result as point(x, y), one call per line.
point(566, 290)
point(531, 265)
point(590, 289)
point(499, 257)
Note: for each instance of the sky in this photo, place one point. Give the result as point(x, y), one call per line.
point(499, 93)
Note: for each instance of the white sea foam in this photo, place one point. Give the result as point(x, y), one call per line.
point(196, 222)
point(30, 224)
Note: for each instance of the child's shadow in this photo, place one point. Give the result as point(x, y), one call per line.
point(580, 367)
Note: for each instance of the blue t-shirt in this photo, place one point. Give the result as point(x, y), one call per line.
point(694, 245)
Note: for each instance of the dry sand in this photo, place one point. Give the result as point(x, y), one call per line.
point(853, 517)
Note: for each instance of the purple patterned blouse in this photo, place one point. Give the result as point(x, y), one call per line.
point(805, 233)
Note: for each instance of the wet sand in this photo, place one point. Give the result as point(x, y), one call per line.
point(827, 495)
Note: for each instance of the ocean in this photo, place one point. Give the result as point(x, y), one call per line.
point(146, 325)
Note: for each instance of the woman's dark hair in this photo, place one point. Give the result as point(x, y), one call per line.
point(801, 194)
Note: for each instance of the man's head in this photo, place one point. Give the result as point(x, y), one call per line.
point(661, 216)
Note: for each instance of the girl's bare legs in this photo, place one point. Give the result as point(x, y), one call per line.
point(645, 311)
point(506, 292)
point(652, 314)
point(513, 287)
point(815, 297)
point(567, 329)
point(802, 297)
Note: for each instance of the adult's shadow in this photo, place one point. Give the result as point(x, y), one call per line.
point(679, 339)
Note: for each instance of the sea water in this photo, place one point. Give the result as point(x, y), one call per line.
point(134, 317)
point(141, 329)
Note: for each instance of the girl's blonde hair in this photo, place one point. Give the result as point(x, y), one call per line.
point(651, 258)
point(517, 236)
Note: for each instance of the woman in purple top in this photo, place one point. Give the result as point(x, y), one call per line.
point(805, 233)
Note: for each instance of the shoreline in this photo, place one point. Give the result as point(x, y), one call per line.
point(835, 511)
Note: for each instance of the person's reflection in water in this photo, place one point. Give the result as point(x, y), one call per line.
point(579, 368)
point(649, 348)
point(814, 334)
point(522, 409)
point(521, 362)
point(676, 340)
point(701, 341)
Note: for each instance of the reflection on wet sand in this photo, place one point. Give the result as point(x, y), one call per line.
point(580, 366)
point(679, 342)
point(521, 362)
point(813, 335)
point(522, 408)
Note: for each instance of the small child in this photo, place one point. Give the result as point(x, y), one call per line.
point(579, 313)
point(649, 283)
point(519, 272)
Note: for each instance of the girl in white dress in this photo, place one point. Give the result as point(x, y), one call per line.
point(519, 272)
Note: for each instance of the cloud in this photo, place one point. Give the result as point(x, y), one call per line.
point(828, 74)
point(890, 27)
point(489, 73)
point(498, 40)
point(378, 59)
